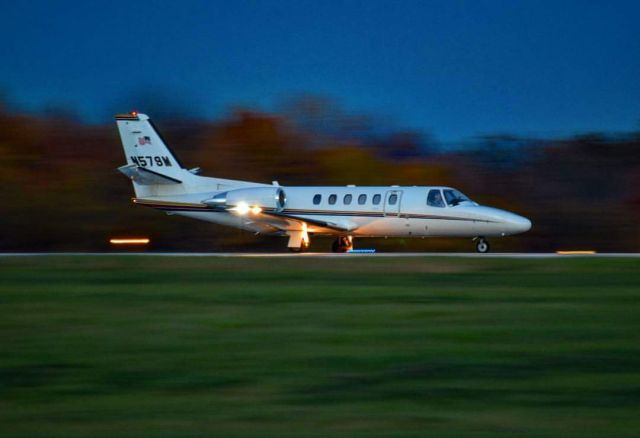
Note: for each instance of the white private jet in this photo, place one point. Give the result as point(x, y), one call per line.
point(161, 182)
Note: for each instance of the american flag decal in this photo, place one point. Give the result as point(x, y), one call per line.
point(144, 140)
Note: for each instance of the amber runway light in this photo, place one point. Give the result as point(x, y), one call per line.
point(129, 241)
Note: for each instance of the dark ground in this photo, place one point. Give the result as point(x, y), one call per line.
point(186, 346)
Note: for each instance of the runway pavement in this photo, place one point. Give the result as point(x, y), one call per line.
point(316, 254)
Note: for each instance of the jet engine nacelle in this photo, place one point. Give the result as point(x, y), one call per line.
point(249, 198)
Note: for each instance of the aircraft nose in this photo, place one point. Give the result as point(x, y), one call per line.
point(518, 224)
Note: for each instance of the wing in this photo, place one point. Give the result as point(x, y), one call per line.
point(343, 225)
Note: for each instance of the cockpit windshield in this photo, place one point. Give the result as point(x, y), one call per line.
point(434, 199)
point(454, 197)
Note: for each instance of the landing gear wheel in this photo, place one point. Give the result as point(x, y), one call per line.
point(342, 244)
point(482, 246)
point(304, 245)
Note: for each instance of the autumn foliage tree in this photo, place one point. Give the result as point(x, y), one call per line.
point(60, 189)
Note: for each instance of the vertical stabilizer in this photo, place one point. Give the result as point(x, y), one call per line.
point(144, 146)
point(155, 170)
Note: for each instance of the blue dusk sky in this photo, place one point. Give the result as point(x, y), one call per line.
point(454, 69)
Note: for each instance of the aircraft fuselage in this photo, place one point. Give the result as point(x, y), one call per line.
point(160, 181)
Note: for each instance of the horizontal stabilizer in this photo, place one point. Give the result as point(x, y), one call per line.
point(145, 176)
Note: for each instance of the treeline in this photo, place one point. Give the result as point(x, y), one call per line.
point(60, 189)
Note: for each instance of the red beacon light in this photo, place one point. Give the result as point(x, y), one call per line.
point(134, 113)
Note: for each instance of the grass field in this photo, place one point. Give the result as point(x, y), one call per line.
point(356, 346)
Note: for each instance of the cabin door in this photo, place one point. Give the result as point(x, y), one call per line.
point(392, 201)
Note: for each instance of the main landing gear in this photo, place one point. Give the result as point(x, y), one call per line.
point(342, 244)
point(298, 240)
point(482, 246)
point(304, 245)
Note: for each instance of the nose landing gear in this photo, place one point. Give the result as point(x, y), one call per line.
point(342, 244)
point(482, 246)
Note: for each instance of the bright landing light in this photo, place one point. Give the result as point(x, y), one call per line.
point(242, 208)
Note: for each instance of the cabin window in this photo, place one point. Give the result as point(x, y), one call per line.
point(333, 199)
point(362, 199)
point(393, 199)
point(376, 199)
point(347, 199)
point(317, 199)
point(434, 199)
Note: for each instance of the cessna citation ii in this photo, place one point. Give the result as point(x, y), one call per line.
point(161, 182)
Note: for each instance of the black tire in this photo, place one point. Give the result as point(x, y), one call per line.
point(302, 248)
point(341, 244)
point(482, 246)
